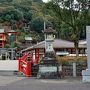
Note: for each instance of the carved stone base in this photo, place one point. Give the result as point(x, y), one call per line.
point(50, 67)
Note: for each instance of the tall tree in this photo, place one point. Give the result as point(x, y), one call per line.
point(37, 25)
point(74, 14)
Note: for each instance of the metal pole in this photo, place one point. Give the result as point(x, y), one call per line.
point(44, 25)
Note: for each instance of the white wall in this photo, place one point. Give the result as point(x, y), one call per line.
point(9, 65)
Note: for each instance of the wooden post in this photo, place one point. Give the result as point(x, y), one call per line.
point(38, 56)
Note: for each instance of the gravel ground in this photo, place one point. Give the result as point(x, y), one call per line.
point(23, 83)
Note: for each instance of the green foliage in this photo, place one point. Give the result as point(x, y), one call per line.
point(14, 44)
point(11, 15)
point(7, 46)
point(69, 22)
point(37, 1)
point(70, 16)
point(22, 14)
point(3, 1)
point(73, 18)
point(37, 25)
point(21, 37)
point(28, 16)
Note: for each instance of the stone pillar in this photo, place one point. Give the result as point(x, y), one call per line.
point(60, 68)
point(86, 73)
point(1, 57)
point(74, 69)
point(6, 56)
point(12, 54)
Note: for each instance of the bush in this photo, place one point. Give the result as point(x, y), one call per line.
point(7, 46)
point(67, 60)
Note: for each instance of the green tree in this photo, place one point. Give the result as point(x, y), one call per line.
point(11, 16)
point(3, 1)
point(28, 16)
point(39, 1)
point(37, 25)
point(25, 14)
point(73, 15)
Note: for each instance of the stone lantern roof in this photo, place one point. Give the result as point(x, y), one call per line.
point(49, 30)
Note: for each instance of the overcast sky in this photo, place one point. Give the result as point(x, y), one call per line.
point(45, 0)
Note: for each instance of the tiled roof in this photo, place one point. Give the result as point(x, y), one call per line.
point(58, 43)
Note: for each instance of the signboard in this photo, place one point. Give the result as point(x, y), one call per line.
point(45, 69)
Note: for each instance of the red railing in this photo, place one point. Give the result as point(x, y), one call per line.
point(24, 65)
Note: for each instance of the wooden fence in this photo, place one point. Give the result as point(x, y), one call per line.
point(68, 70)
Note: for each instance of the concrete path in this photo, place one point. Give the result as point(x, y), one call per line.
point(23, 83)
point(6, 80)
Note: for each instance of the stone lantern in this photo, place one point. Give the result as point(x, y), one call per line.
point(49, 39)
point(49, 67)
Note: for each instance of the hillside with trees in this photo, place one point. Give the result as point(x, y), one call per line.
point(23, 16)
point(28, 17)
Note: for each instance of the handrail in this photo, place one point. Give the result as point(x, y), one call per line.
point(25, 65)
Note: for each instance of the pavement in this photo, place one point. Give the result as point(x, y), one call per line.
point(24, 83)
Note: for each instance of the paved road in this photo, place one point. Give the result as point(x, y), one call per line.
point(23, 83)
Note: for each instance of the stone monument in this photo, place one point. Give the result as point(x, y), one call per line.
point(48, 68)
point(86, 73)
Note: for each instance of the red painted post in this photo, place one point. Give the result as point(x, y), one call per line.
point(28, 69)
point(35, 56)
point(38, 56)
point(19, 64)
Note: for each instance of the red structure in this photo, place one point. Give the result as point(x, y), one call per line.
point(37, 56)
point(26, 61)
point(59, 46)
point(4, 36)
point(25, 65)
